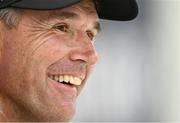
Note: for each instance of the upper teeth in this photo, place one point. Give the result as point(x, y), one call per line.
point(67, 79)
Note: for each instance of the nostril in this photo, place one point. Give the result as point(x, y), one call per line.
point(78, 55)
point(89, 56)
point(92, 57)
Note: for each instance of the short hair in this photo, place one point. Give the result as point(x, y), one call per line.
point(10, 16)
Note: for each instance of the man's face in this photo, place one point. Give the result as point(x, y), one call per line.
point(45, 47)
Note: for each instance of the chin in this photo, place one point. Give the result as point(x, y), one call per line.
point(57, 114)
point(65, 117)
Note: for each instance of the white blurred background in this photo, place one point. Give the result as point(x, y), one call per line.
point(137, 77)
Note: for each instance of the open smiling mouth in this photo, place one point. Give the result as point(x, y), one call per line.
point(66, 79)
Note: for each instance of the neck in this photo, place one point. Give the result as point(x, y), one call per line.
point(10, 111)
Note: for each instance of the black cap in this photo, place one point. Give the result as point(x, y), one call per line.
point(107, 9)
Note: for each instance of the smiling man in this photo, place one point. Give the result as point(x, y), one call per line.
point(47, 53)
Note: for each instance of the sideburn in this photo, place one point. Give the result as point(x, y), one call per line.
point(1, 38)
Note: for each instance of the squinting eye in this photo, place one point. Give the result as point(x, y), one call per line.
point(62, 27)
point(90, 35)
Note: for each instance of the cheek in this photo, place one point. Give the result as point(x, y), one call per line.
point(52, 50)
point(12, 62)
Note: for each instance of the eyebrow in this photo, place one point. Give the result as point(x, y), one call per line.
point(69, 15)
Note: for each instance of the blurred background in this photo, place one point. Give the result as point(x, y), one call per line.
point(137, 77)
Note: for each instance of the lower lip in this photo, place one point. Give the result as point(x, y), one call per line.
point(67, 90)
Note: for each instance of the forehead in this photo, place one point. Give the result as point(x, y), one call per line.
point(86, 5)
point(83, 11)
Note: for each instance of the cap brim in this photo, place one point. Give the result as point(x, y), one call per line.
point(122, 10)
point(117, 9)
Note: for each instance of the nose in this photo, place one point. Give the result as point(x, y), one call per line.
point(85, 50)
